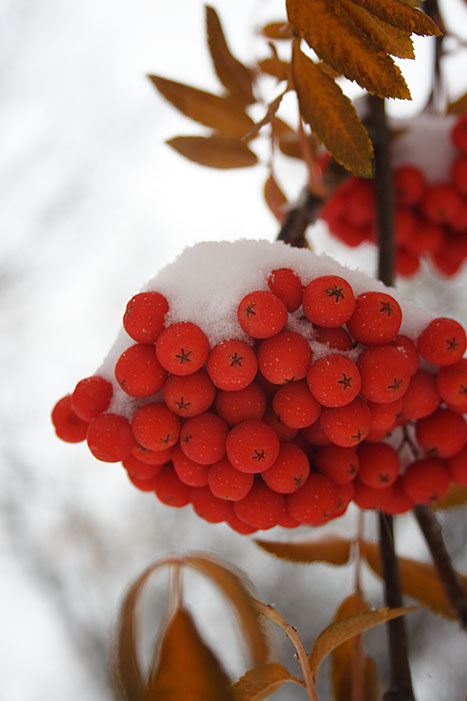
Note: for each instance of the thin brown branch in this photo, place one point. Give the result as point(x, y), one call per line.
point(453, 588)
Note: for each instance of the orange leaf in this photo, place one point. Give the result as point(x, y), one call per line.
point(187, 668)
point(262, 681)
point(459, 106)
point(346, 628)
point(215, 151)
point(328, 30)
point(456, 496)
point(233, 75)
point(332, 549)
point(401, 15)
point(271, 111)
point(220, 113)
point(275, 67)
point(370, 686)
point(277, 30)
point(235, 587)
point(275, 198)
point(418, 580)
point(331, 116)
point(390, 39)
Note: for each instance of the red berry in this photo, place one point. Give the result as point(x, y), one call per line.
point(314, 502)
point(376, 319)
point(170, 490)
point(422, 397)
point(409, 185)
point(189, 395)
point(144, 316)
point(139, 469)
point(152, 457)
point(336, 338)
point(144, 484)
point(262, 314)
point(226, 482)
point(337, 463)
point(236, 524)
point(232, 365)
point(426, 481)
point(209, 507)
point(426, 238)
point(289, 471)
point(110, 438)
point(241, 405)
point(459, 174)
point(328, 301)
point(459, 134)
point(261, 508)
point(287, 521)
point(444, 433)
point(407, 263)
point(384, 373)
point(442, 342)
point(188, 471)
point(346, 425)
point(91, 397)
point(405, 224)
point(383, 416)
point(286, 285)
point(203, 437)
point(295, 405)
point(407, 347)
point(370, 498)
point(379, 464)
point(441, 203)
point(284, 357)
point(68, 426)
point(396, 501)
point(138, 371)
point(345, 493)
point(334, 380)
point(451, 382)
point(155, 427)
point(314, 434)
point(457, 467)
point(284, 433)
point(182, 348)
point(360, 209)
point(252, 446)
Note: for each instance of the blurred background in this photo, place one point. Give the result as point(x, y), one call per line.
point(94, 204)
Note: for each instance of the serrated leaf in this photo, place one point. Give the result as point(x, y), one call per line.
point(330, 32)
point(390, 39)
point(340, 631)
point(331, 549)
point(262, 681)
point(187, 668)
point(220, 113)
point(232, 73)
point(275, 198)
point(277, 31)
point(418, 580)
point(235, 587)
point(214, 151)
point(331, 116)
point(456, 496)
point(401, 15)
point(459, 106)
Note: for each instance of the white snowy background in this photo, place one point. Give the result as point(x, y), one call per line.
point(93, 204)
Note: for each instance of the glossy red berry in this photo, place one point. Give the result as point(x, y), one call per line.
point(241, 405)
point(144, 316)
point(236, 524)
point(91, 397)
point(138, 371)
point(407, 347)
point(170, 490)
point(347, 425)
point(334, 380)
point(295, 405)
point(442, 342)
point(336, 338)
point(252, 446)
point(232, 365)
point(286, 285)
point(457, 467)
point(451, 381)
point(203, 437)
point(209, 507)
point(376, 319)
point(284, 357)
point(182, 348)
point(68, 425)
point(314, 502)
point(189, 395)
point(426, 481)
point(261, 507)
point(110, 438)
point(289, 471)
point(328, 301)
point(262, 314)
point(384, 416)
point(152, 457)
point(188, 471)
point(384, 373)
point(337, 463)
point(443, 433)
point(284, 433)
point(155, 427)
point(422, 397)
point(226, 482)
point(141, 470)
point(379, 464)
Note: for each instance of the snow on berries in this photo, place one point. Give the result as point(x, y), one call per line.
point(265, 386)
point(430, 190)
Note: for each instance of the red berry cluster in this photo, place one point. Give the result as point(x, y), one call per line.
point(289, 425)
point(430, 218)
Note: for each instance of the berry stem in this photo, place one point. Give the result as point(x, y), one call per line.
point(437, 98)
point(455, 592)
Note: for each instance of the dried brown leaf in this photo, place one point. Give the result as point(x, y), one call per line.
point(459, 106)
point(277, 30)
point(346, 628)
point(235, 587)
point(232, 73)
point(287, 138)
point(275, 198)
point(418, 580)
point(370, 686)
point(262, 681)
point(390, 39)
point(332, 549)
point(276, 67)
point(327, 29)
point(456, 496)
point(401, 15)
point(214, 151)
point(331, 116)
point(187, 668)
point(271, 111)
point(220, 113)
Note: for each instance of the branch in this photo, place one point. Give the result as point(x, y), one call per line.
point(453, 588)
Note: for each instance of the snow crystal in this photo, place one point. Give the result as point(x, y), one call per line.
point(206, 283)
